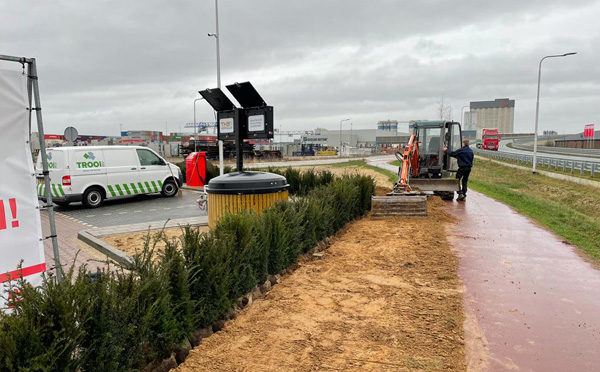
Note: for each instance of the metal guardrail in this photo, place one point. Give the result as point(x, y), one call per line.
point(554, 163)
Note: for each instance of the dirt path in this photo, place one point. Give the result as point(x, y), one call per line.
point(385, 297)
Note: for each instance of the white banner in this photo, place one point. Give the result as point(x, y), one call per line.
point(20, 226)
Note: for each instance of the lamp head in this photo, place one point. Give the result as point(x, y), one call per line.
point(569, 54)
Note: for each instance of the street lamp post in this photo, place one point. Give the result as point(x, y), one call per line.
point(341, 121)
point(537, 104)
point(195, 125)
point(217, 36)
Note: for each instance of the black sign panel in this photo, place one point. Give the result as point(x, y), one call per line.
point(259, 122)
point(229, 123)
point(217, 99)
point(246, 95)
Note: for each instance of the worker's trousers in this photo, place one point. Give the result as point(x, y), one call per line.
point(463, 176)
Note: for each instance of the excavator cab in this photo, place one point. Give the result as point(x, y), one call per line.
point(433, 137)
point(424, 167)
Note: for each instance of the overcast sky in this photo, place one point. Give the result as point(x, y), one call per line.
point(141, 63)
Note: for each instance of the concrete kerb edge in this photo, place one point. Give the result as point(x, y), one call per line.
point(192, 188)
point(105, 248)
point(557, 176)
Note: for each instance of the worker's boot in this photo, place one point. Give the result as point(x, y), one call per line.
point(461, 197)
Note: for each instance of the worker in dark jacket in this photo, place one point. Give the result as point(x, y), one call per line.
point(464, 155)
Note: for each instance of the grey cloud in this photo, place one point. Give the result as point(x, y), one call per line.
point(142, 62)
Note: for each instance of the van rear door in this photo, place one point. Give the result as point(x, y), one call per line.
point(57, 166)
point(122, 171)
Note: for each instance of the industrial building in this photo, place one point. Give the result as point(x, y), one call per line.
point(499, 113)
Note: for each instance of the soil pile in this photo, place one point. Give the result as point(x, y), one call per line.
point(133, 243)
point(384, 297)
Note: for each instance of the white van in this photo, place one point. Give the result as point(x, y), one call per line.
point(91, 174)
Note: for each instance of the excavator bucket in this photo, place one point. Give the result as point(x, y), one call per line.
point(399, 206)
point(434, 184)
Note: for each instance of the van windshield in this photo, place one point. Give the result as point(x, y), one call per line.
point(147, 157)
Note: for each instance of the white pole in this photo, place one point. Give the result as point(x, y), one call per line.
point(221, 167)
point(218, 36)
point(341, 121)
point(537, 106)
point(196, 126)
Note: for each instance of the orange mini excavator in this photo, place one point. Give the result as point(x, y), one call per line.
point(424, 170)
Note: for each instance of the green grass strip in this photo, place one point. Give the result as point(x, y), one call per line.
point(526, 194)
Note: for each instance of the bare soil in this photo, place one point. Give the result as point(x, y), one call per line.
point(132, 243)
point(384, 297)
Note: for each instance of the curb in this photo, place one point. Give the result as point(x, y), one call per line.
point(192, 188)
point(107, 249)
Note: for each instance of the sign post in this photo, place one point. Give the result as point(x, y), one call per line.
point(71, 135)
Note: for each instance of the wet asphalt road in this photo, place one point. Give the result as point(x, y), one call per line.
point(532, 302)
point(138, 209)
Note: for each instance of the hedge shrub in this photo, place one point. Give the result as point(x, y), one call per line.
point(121, 320)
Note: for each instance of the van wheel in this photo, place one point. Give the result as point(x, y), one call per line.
point(169, 188)
point(93, 198)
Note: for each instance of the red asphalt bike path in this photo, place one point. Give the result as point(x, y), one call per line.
point(532, 302)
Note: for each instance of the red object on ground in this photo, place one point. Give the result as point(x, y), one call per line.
point(195, 169)
point(490, 138)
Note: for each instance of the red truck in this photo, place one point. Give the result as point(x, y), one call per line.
point(490, 139)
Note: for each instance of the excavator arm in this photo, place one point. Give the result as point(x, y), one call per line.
point(409, 163)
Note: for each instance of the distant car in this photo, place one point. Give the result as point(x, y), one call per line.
point(92, 174)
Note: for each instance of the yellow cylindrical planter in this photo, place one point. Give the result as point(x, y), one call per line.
point(234, 192)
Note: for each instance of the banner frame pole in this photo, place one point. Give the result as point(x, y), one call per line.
point(32, 80)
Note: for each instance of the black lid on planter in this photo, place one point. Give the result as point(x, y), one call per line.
point(247, 183)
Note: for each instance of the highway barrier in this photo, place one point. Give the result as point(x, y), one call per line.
point(563, 164)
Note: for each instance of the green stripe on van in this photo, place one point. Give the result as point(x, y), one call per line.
point(148, 187)
point(154, 185)
point(60, 189)
point(121, 193)
point(126, 189)
point(134, 188)
point(112, 192)
point(54, 192)
point(141, 187)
